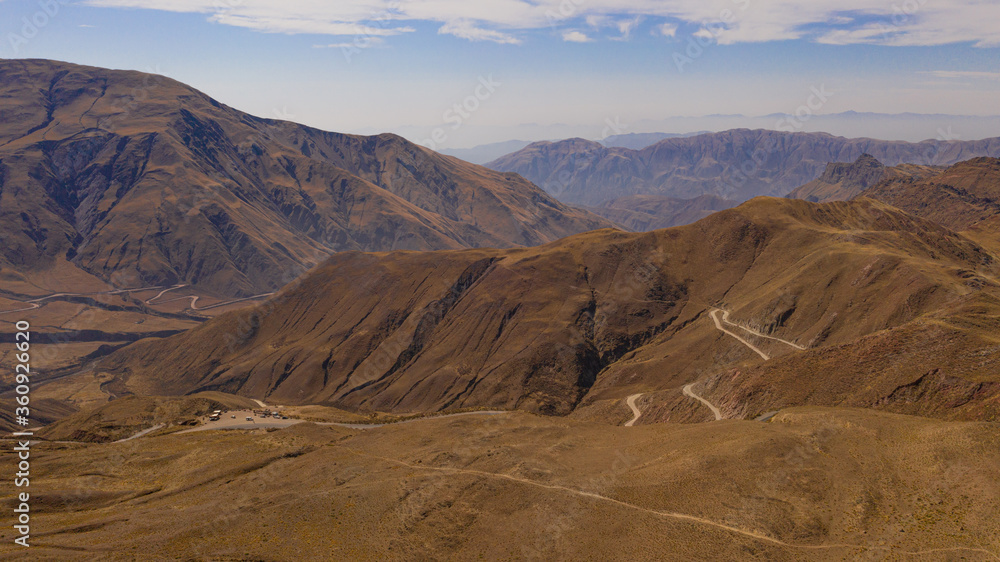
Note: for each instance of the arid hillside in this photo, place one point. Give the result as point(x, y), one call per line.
point(140, 181)
point(792, 292)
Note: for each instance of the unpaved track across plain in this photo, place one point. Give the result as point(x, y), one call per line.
point(34, 303)
point(33, 306)
point(668, 514)
point(141, 433)
point(635, 409)
point(688, 392)
point(217, 305)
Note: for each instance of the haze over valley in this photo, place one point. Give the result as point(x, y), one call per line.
point(443, 281)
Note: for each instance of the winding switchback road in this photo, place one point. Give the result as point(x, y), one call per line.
point(725, 319)
point(718, 324)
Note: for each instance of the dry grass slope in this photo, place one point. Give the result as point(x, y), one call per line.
point(603, 315)
point(813, 484)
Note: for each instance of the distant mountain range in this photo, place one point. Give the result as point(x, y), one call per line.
point(117, 172)
point(911, 127)
point(737, 164)
point(487, 152)
point(638, 141)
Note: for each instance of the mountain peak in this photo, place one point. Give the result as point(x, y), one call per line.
point(124, 172)
point(863, 172)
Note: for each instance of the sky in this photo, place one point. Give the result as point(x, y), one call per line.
point(456, 73)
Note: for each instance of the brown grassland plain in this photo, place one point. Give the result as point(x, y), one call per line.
point(812, 483)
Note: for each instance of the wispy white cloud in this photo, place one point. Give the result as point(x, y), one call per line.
point(576, 37)
point(667, 29)
point(359, 44)
point(626, 27)
point(746, 21)
point(468, 30)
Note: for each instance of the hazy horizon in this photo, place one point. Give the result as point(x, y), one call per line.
point(462, 75)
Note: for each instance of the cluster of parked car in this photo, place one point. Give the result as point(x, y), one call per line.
point(275, 414)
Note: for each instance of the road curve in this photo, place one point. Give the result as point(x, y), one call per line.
point(715, 316)
point(146, 431)
point(725, 319)
point(33, 303)
point(33, 306)
point(160, 294)
point(689, 392)
point(635, 410)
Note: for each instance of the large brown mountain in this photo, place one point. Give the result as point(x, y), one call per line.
point(890, 311)
point(737, 164)
point(138, 176)
point(846, 180)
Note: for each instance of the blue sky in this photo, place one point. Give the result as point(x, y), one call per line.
point(555, 67)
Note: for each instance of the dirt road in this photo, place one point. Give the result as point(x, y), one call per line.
point(725, 319)
point(635, 410)
point(35, 303)
point(141, 433)
point(689, 392)
point(160, 294)
point(718, 324)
